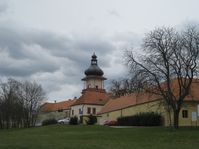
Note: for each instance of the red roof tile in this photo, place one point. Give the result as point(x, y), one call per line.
point(93, 96)
point(49, 107)
point(139, 98)
point(127, 101)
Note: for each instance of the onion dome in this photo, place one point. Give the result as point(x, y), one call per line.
point(94, 69)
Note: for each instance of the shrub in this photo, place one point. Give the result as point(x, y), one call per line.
point(73, 120)
point(49, 122)
point(91, 120)
point(141, 119)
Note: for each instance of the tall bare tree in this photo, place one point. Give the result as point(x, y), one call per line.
point(32, 95)
point(19, 103)
point(168, 64)
point(11, 107)
point(126, 86)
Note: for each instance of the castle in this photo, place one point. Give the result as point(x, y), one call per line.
point(96, 101)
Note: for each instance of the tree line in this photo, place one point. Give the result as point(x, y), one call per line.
point(19, 103)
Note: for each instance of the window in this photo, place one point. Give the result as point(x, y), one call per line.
point(80, 111)
point(94, 110)
point(60, 110)
point(88, 110)
point(72, 112)
point(185, 113)
point(96, 86)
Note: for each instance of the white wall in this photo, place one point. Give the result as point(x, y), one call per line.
point(93, 82)
point(84, 107)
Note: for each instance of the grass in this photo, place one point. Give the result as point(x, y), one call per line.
point(99, 137)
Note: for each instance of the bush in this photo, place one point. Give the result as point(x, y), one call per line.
point(141, 119)
point(49, 122)
point(73, 120)
point(91, 120)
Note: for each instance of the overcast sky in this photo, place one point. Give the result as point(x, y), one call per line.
point(51, 41)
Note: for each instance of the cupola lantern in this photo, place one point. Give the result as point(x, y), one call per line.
point(94, 75)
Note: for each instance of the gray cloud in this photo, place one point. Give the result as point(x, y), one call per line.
point(114, 13)
point(56, 61)
point(3, 7)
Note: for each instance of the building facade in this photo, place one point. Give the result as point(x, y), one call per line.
point(56, 110)
point(97, 102)
point(94, 96)
point(144, 102)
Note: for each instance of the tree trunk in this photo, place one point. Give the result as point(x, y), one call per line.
point(170, 119)
point(176, 119)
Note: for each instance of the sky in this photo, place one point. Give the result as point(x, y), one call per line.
point(51, 41)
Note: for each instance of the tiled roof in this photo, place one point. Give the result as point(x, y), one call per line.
point(127, 101)
point(93, 96)
point(49, 107)
point(139, 98)
point(194, 91)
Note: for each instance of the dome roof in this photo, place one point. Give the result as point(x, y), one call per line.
point(94, 69)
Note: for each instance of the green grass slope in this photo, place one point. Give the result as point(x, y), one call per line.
point(99, 137)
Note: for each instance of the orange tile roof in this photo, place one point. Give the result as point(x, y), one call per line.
point(93, 96)
point(139, 98)
point(49, 107)
point(194, 91)
point(127, 101)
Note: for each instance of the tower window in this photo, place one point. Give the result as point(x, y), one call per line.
point(94, 62)
point(185, 113)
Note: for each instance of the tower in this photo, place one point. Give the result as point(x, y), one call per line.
point(94, 75)
point(94, 96)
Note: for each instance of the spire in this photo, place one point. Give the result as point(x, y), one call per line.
point(94, 59)
point(94, 69)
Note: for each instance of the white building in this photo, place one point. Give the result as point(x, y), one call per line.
point(94, 96)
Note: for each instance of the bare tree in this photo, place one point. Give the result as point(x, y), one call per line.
point(168, 65)
point(19, 103)
point(11, 107)
point(126, 86)
point(116, 88)
point(32, 96)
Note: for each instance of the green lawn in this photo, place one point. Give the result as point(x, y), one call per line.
point(99, 137)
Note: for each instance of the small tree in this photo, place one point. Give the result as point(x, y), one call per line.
point(73, 120)
point(168, 64)
point(91, 120)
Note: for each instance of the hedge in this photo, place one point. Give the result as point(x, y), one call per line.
point(49, 122)
point(141, 119)
point(91, 120)
point(73, 120)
